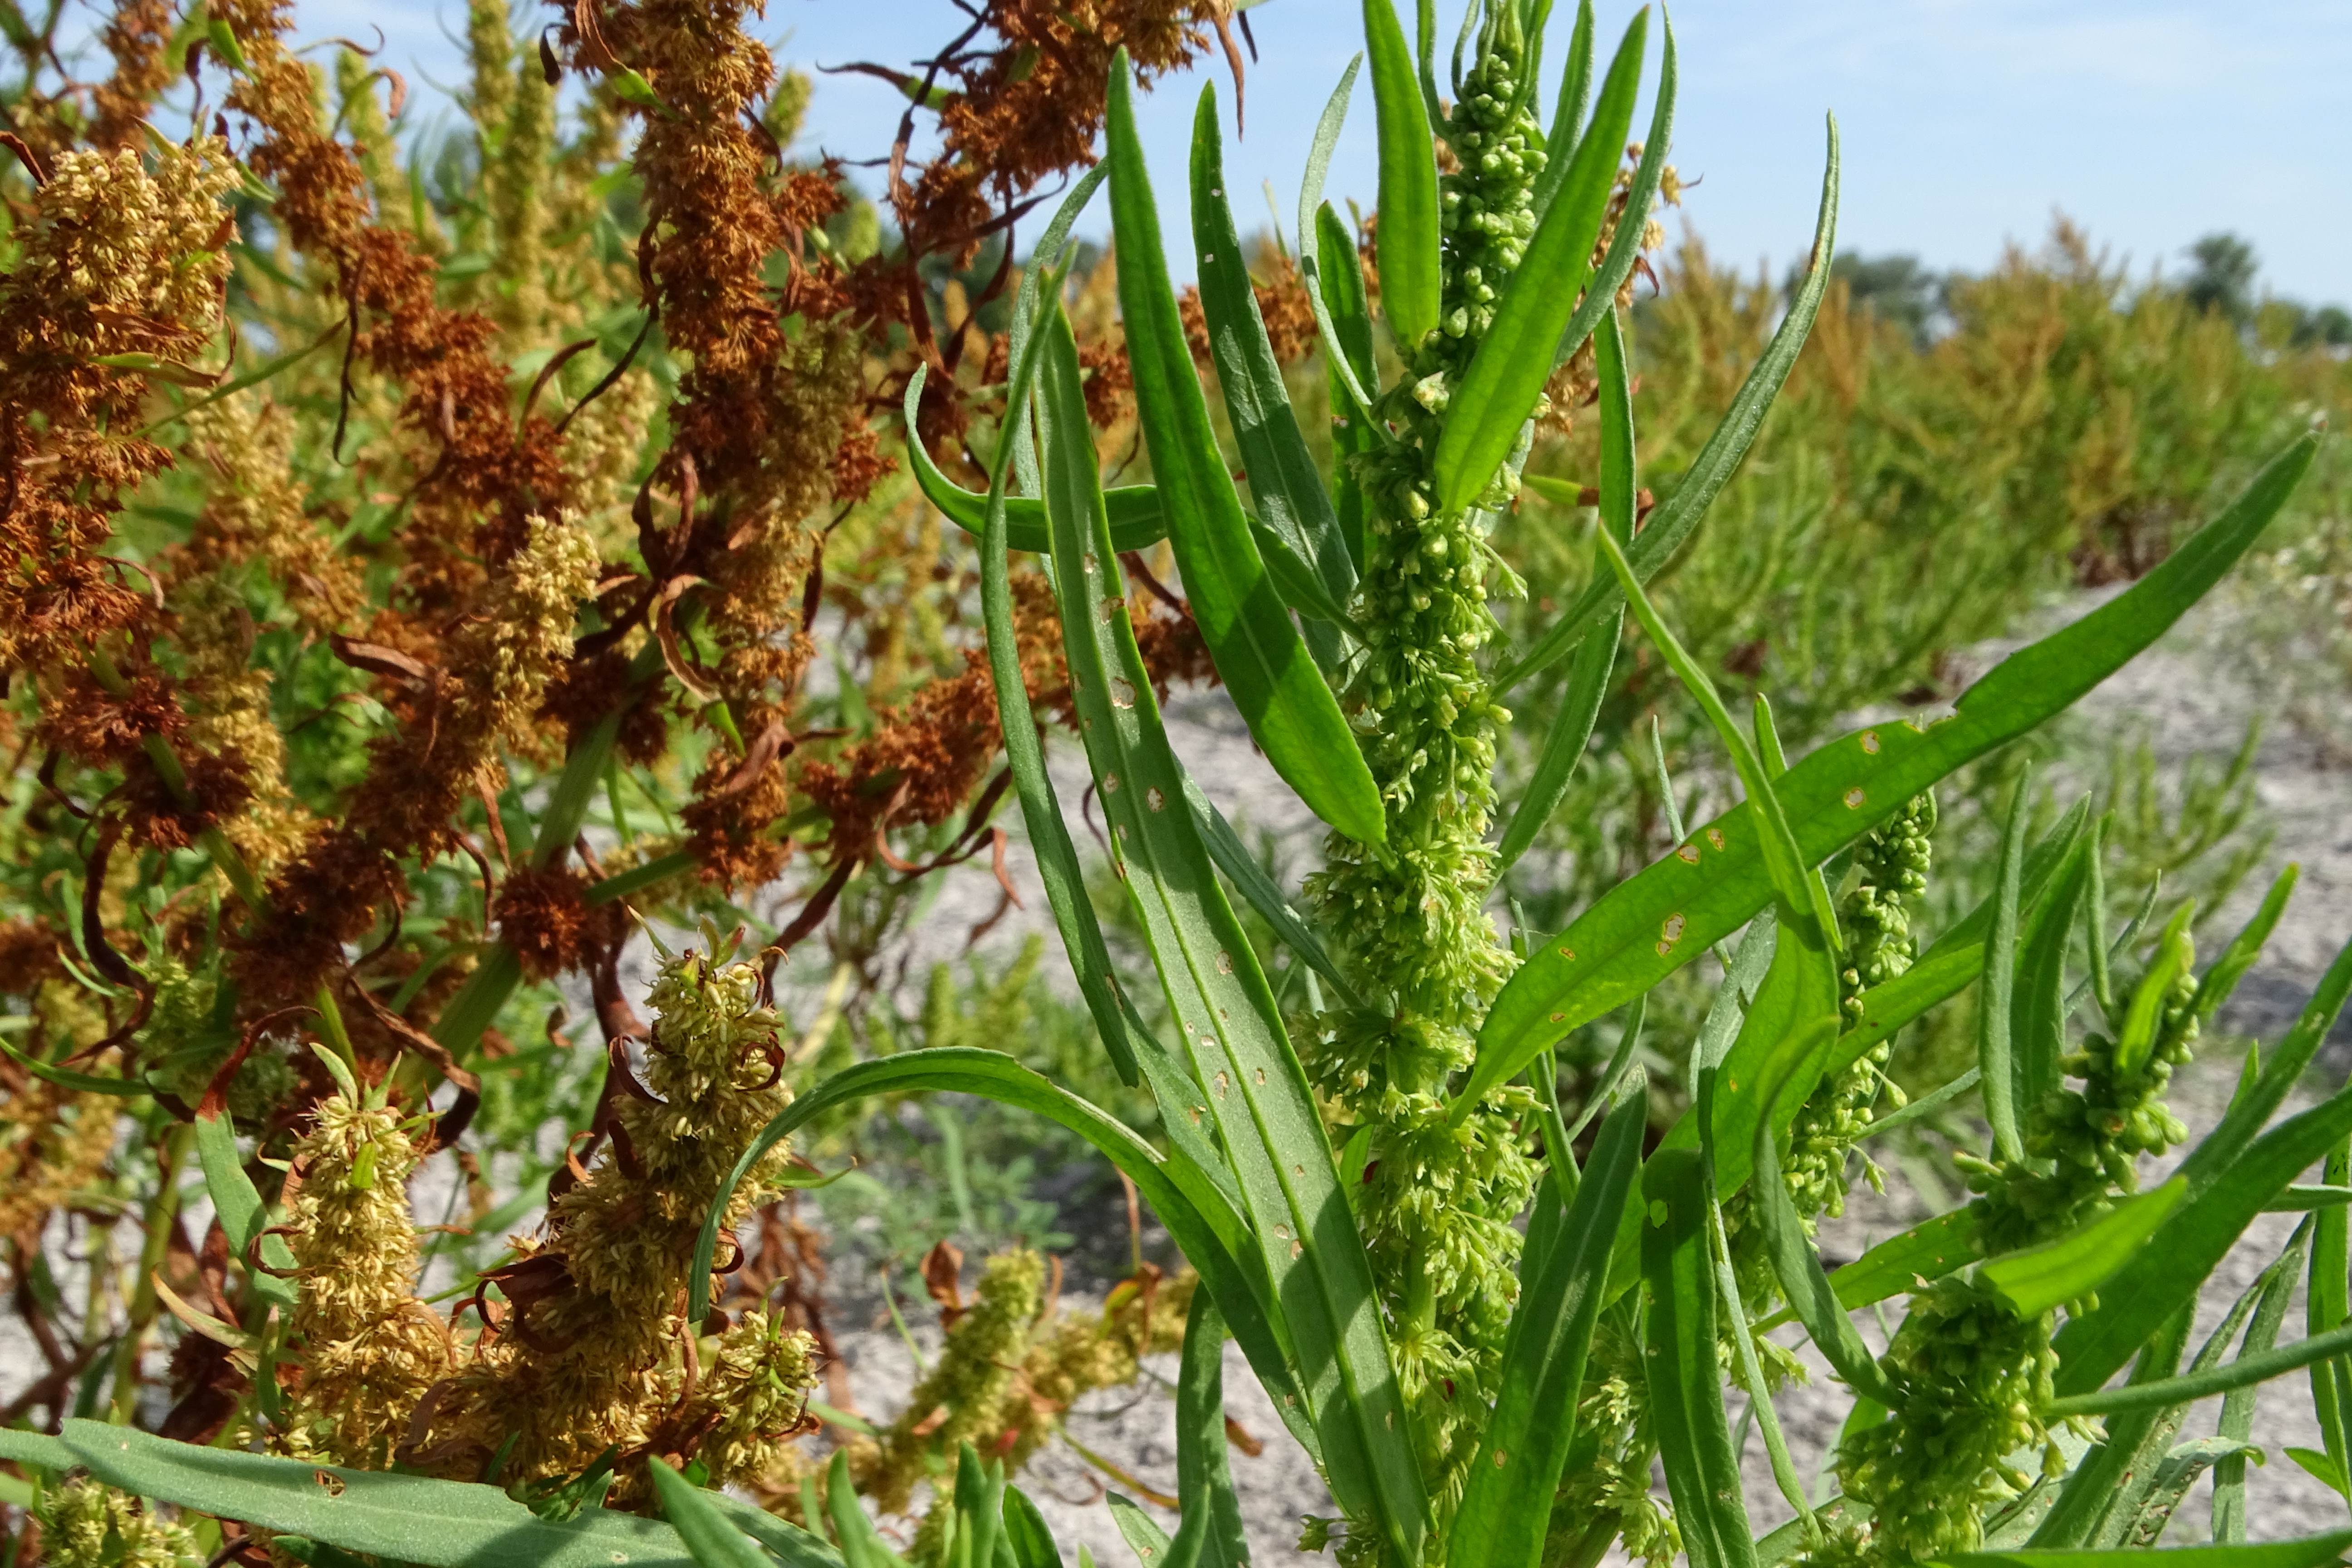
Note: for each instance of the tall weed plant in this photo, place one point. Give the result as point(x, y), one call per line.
point(310, 837)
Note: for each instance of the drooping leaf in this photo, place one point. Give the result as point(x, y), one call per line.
point(1505, 1505)
point(1291, 713)
point(1407, 238)
point(1653, 922)
point(991, 1074)
point(405, 1519)
point(1679, 513)
point(1137, 523)
point(1484, 413)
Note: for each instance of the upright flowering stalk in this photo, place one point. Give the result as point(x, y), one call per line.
point(1438, 1201)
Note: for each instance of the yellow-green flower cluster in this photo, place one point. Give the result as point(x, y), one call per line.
point(595, 1356)
point(85, 1524)
point(369, 1348)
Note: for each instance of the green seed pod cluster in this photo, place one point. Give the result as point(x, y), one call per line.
point(1893, 860)
point(1973, 1374)
point(1437, 1202)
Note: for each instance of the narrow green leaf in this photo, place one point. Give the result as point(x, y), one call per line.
point(1408, 231)
point(2251, 1109)
point(1588, 681)
point(1995, 1062)
point(1026, 1534)
point(1653, 923)
point(1718, 461)
point(1291, 713)
point(2311, 1551)
point(1625, 245)
point(1259, 891)
point(1140, 1530)
point(1568, 111)
point(405, 1519)
point(2175, 953)
point(714, 1543)
point(2326, 1307)
point(2244, 947)
point(1799, 1268)
point(2104, 1473)
point(1226, 1021)
point(1314, 268)
point(2038, 1010)
point(80, 1082)
point(1484, 413)
point(1505, 1505)
point(979, 1510)
point(2036, 1280)
point(1210, 1533)
point(242, 1213)
point(1686, 1388)
point(1343, 278)
point(2243, 1372)
point(797, 1547)
point(862, 1545)
point(1291, 501)
point(36, 1449)
point(1928, 1251)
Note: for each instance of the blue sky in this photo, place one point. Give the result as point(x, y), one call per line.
point(1966, 123)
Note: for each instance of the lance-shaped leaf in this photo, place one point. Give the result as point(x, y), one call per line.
point(2221, 979)
point(1506, 1506)
point(1483, 415)
point(1657, 920)
point(1352, 374)
point(2104, 1472)
point(714, 1542)
point(2037, 1280)
point(2038, 1010)
point(1342, 275)
point(1210, 1533)
point(1685, 1386)
point(2237, 1423)
point(1290, 711)
point(1588, 681)
point(1995, 1061)
point(1408, 230)
point(1568, 111)
point(2325, 1307)
point(1718, 461)
point(1291, 499)
point(1225, 1015)
point(1625, 245)
point(405, 1519)
point(2311, 1552)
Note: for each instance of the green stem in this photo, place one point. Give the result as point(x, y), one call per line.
point(162, 1211)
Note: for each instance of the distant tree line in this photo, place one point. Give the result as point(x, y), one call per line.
point(2223, 279)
